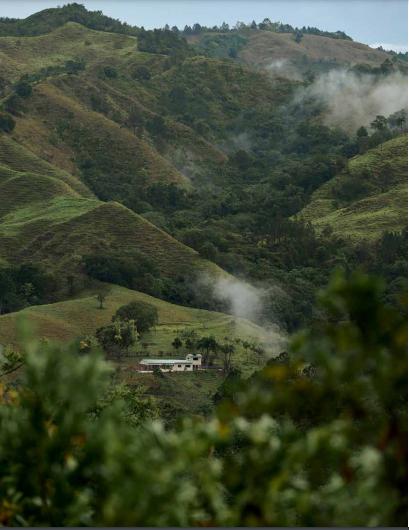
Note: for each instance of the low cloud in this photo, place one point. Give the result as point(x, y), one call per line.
point(246, 301)
point(352, 100)
point(243, 299)
point(284, 68)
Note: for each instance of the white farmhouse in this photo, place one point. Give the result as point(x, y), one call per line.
point(191, 363)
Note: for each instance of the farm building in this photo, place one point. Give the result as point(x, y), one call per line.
point(191, 363)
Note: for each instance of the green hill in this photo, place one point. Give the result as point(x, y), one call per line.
point(370, 197)
point(49, 19)
point(49, 223)
point(116, 128)
point(70, 319)
point(264, 48)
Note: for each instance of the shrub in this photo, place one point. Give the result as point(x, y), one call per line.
point(23, 89)
point(110, 72)
point(142, 73)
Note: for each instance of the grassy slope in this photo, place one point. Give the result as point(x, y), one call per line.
point(44, 219)
point(381, 209)
point(58, 231)
point(264, 46)
point(22, 55)
point(261, 48)
point(65, 321)
point(13, 156)
point(62, 97)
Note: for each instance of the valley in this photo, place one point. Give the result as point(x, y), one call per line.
point(234, 192)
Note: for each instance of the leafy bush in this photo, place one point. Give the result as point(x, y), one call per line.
point(315, 439)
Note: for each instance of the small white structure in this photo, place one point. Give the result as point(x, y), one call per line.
point(191, 363)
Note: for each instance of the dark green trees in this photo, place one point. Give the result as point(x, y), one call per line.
point(143, 314)
point(7, 122)
point(118, 337)
point(23, 89)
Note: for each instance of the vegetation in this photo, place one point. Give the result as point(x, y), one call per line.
point(23, 286)
point(319, 439)
point(50, 19)
point(153, 186)
point(117, 337)
point(81, 317)
point(361, 195)
point(217, 156)
point(7, 122)
point(144, 315)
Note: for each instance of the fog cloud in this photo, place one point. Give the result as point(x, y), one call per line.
point(284, 68)
point(243, 299)
point(353, 100)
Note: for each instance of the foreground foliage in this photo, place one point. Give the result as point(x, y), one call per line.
point(315, 439)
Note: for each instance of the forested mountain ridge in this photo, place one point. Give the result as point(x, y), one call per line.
point(219, 156)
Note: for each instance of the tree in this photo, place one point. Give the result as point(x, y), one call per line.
point(157, 126)
point(143, 314)
point(157, 372)
point(135, 120)
point(23, 89)
point(102, 294)
point(177, 343)
point(7, 122)
point(70, 284)
point(74, 66)
point(227, 350)
point(208, 345)
point(380, 123)
point(208, 251)
point(117, 337)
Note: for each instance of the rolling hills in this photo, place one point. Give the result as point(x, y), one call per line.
point(81, 316)
point(193, 155)
point(368, 198)
point(44, 219)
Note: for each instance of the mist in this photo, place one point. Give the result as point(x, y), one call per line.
point(244, 300)
point(284, 68)
point(352, 100)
